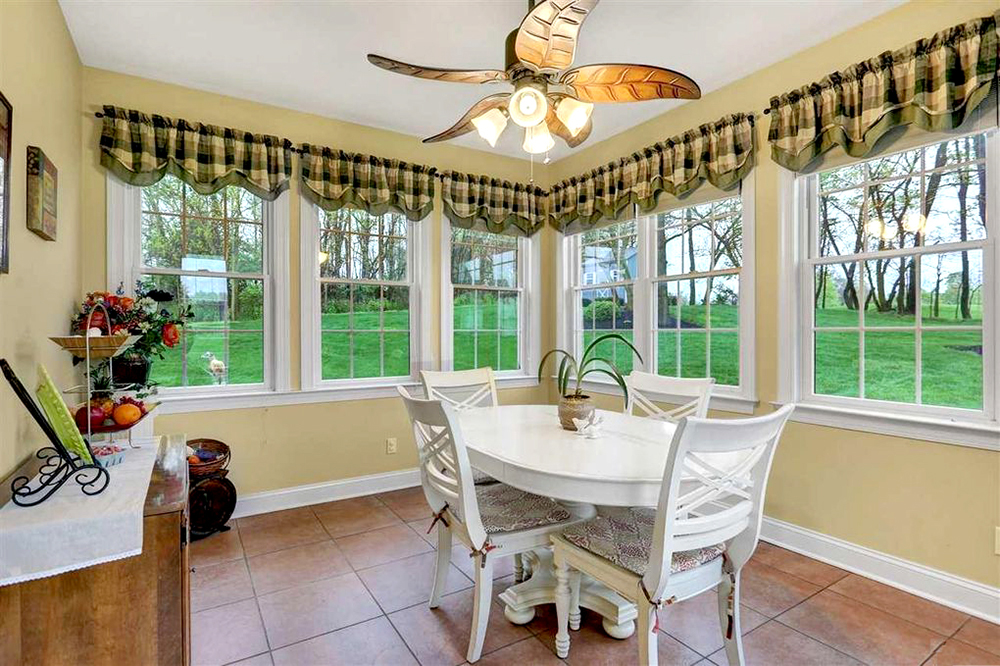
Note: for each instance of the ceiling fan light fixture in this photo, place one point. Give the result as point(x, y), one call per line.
point(574, 114)
point(491, 125)
point(528, 106)
point(537, 140)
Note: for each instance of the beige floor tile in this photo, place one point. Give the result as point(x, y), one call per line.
point(502, 566)
point(220, 584)
point(865, 633)
point(380, 546)
point(928, 614)
point(295, 566)
point(592, 647)
point(770, 591)
point(409, 504)
point(353, 516)
point(441, 635)
point(774, 644)
point(421, 527)
point(315, 608)
point(370, 643)
point(957, 653)
point(529, 652)
point(695, 622)
point(283, 529)
point(259, 660)
point(220, 547)
point(806, 568)
point(402, 583)
point(981, 634)
point(227, 634)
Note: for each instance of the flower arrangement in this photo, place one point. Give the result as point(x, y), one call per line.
point(157, 327)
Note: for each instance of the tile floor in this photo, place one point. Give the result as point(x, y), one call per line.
point(347, 583)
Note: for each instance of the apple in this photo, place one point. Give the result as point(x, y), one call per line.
point(94, 413)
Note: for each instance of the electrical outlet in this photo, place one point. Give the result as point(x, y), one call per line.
point(390, 445)
point(996, 541)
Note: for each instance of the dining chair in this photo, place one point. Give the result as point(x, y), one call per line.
point(491, 521)
point(699, 536)
point(641, 385)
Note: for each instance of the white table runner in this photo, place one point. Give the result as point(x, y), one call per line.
point(71, 530)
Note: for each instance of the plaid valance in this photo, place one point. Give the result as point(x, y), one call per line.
point(491, 204)
point(140, 149)
point(933, 83)
point(333, 179)
point(721, 153)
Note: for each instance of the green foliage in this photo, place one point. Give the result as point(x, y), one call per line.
point(590, 363)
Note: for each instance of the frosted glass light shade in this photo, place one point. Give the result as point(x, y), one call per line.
point(527, 106)
point(490, 125)
point(537, 139)
point(574, 114)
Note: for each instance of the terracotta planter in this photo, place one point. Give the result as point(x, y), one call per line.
point(574, 407)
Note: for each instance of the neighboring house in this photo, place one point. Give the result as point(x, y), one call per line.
point(600, 267)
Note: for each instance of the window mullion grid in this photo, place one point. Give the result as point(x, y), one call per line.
point(918, 292)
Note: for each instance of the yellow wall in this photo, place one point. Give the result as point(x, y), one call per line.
point(285, 446)
point(40, 77)
point(935, 504)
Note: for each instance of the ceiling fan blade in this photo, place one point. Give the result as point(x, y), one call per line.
point(628, 83)
point(450, 75)
point(546, 40)
point(556, 126)
point(464, 126)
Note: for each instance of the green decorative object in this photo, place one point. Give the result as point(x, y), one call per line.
point(576, 405)
point(59, 416)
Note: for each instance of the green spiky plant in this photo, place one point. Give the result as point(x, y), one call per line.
point(590, 363)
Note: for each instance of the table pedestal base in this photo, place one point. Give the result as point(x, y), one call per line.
point(619, 615)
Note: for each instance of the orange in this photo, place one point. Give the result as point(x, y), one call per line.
point(126, 414)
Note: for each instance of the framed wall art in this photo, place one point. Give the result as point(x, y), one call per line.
point(43, 182)
point(6, 116)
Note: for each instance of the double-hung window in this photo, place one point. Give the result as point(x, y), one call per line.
point(214, 254)
point(678, 284)
point(488, 319)
point(897, 283)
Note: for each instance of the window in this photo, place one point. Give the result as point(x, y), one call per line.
point(897, 282)
point(212, 253)
point(486, 300)
point(364, 295)
point(605, 295)
point(678, 284)
point(696, 287)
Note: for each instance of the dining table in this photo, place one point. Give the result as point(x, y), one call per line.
point(620, 465)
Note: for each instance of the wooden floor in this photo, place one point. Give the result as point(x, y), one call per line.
point(347, 583)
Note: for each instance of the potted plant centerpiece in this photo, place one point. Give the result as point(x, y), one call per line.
point(575, 404)
point(145, 316)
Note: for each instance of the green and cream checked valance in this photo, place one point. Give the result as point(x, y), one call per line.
point(933, 83)
point(140, 149)
point(333, 179)
point(491, 204)
point(721, 153)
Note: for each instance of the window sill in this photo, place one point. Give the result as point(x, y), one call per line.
point(251, 399)
point(980, 435)
point(721, 402)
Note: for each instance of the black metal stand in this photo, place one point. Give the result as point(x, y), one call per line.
point(54, 472)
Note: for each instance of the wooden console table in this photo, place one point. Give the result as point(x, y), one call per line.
point(131, 611)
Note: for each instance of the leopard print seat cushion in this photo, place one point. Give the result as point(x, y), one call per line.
point(503, 508)
point(624, 537)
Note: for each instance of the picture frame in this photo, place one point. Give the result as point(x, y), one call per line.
point(6, 134)
point(43, 194)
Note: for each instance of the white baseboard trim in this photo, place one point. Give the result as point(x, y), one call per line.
point(315, 493)
point(982, 601)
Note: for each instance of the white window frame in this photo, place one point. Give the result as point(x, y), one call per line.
point(740, 399)
point(797, 194)
point(422, 357)
point(529, 310)
point(124, 266)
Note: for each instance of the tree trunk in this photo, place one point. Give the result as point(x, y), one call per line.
point(963, 234)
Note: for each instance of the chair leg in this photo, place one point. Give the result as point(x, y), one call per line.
point(518, 568)
point(574, 600)
point(441, 570)
point(481, 606)
point(646, 628)
point(732, 636)
point(563, 597)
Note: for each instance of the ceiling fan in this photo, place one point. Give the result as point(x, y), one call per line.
point(549, 97)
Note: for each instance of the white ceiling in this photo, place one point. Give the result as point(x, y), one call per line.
point(310, 55)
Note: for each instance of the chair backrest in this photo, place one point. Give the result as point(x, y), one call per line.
point(694, 392)
point(445, 472)
point(462, 389)
point(714, 504)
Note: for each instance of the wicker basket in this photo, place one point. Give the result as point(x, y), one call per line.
point(101, 346)
point(212, 466)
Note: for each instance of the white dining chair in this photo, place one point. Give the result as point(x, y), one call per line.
point(491, 521)
point(699, 536)
point(695, 392)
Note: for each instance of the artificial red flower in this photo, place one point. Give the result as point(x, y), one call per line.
point(171, 335)
point(97, 320)
point(126, 303)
